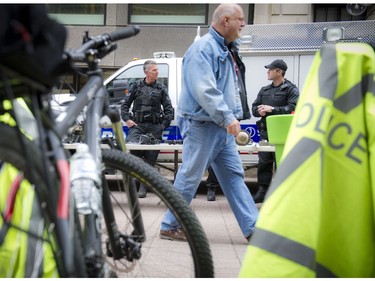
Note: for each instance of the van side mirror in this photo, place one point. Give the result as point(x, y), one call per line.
point(118, 91)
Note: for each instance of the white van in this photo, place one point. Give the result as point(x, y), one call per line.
point(170, 75)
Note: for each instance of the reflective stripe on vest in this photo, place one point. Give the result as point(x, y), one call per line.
point(318, 216)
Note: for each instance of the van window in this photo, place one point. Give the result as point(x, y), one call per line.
point(135, 73)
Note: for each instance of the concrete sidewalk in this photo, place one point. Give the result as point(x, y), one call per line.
point(228, 245)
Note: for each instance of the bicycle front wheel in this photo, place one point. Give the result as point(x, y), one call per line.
point(159, 258)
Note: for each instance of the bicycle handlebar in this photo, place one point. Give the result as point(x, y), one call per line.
point(124, 33)
point(97, 42)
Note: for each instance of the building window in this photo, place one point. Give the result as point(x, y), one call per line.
point(78, 14)
point(250, 19)
point(168, 14)
point(334, 12)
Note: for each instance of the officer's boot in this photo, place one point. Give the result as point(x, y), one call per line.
point(211, 190)
point(142, 193)
point(261, 193)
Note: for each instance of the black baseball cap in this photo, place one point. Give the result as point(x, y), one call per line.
point(277, 64)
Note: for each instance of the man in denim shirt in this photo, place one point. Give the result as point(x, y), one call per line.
point(208, 113)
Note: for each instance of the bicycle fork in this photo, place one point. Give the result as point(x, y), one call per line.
point(138, 235)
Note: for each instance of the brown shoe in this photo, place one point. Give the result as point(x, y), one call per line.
point(173, 234)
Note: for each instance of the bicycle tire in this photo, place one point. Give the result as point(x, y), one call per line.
point(160, 258)
point(11, 152)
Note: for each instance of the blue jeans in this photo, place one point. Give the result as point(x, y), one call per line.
point(205, 144)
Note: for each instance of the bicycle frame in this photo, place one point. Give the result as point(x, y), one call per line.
point(94, 96)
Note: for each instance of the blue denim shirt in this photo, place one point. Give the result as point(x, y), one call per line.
point(209, 83)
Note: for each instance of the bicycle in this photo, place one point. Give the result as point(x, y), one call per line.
point(122, 242)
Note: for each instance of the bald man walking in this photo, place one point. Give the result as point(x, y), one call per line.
point(208, 113)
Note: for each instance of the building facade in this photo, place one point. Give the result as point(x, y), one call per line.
point(173, 27)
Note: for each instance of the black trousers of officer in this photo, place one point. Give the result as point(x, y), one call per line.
point(265, 168)
point(135, 132)
point(265, 164)
point(211, 179)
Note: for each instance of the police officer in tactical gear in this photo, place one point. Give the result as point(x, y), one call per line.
point(152, 112)
point(279, 97)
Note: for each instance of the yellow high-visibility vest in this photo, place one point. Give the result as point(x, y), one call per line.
point(21, 254)
point(318, 219)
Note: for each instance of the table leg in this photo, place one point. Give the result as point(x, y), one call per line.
point(175, 163)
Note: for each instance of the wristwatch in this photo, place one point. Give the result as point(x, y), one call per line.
point(272, 108)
